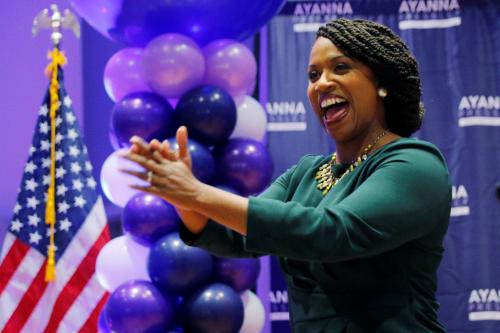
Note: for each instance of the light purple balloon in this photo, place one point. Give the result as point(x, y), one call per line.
point(255, 315)
point(120, 260)
point(230, 65)
point(251, 120)
point(123, 73)
point(115, 184)
point(173, 64)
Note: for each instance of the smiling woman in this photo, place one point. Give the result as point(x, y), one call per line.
point(358, 233)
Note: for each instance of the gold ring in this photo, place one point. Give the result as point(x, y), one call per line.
point(150, 176)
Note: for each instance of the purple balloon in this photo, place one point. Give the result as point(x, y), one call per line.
point(145, 114)
point(230, 65)
point(137, 22)
point(147, 218)
point(177, 268)
point(102, 323)
point(214, 308)
point(123, 74)
point(239, 273)
point(245, 165)
point(208, 112)
point(139, 307)
point(173, 64)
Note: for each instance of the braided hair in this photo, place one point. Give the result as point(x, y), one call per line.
point(394, 67)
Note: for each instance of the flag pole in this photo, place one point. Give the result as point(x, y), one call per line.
point(55, 22)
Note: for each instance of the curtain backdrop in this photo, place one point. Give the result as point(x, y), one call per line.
point(457, 44)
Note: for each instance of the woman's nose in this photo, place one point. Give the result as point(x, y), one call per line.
point(324, 83)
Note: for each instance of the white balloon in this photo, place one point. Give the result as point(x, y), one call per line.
point(121, 260)
point(115, 184)
point(251, 120)
point(253, 320)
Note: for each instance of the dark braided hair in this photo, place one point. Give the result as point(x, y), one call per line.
point(394, 67)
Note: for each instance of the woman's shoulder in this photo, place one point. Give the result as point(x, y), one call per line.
point(414, 157)
point(412, 148)
point(310, 161)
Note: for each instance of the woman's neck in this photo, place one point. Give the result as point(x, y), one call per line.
point(347, 152)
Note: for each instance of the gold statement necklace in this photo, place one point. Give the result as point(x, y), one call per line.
point(325, 177)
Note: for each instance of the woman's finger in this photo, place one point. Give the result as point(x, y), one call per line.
point(155, 144)
point(158, 157)
point(139, 174)
point(166, 151)
point(182, 140)
point(153, 151)
point(164, 147)
point(149, 176)
point(148, 189)
point(146, 163)
point(139, 146)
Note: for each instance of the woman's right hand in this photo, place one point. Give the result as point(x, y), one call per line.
point(193, 220)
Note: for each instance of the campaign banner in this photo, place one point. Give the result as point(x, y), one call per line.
point(456, 43)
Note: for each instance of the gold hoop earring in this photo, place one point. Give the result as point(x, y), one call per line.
point(382, 92)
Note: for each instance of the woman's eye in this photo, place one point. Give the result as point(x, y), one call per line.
point(341, 67)
point(313, 75)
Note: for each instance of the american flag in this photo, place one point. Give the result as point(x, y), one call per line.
point(72, 302)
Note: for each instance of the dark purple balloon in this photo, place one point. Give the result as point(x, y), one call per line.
point(245, 165)
point(239, 273)
point(137, 22)
point(214, 308)
point(203, 161)
point(138, 307)
point(177, 268)
point(147, 218)
point(102, 324)
point(208, 112)
point(145, 114)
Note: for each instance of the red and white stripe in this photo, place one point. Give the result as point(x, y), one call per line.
point(69, 304)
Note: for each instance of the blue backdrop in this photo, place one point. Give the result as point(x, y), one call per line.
point(457, 44)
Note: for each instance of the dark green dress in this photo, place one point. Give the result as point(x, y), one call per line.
point(364, 257)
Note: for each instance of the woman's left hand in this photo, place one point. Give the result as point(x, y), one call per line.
point(170, 179)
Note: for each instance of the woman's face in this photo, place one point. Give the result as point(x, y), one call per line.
point(343, 94)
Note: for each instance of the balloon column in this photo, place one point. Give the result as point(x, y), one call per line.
point(184, 65)
point(209, 87)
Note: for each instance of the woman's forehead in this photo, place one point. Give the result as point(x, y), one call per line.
point(323, 47)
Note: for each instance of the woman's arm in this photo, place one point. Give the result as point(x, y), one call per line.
point(407, 197)
point(197, 229)
point(173, 181)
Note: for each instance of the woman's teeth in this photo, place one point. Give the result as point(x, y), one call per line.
point(332, 101)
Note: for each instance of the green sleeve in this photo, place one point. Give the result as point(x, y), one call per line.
point(406, 197)
point(225, 242)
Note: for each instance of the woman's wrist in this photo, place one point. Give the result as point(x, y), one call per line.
point(194, 221)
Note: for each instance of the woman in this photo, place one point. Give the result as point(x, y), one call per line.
point(359, 233)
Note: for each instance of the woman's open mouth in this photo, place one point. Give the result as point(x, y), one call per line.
point(334, 109)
